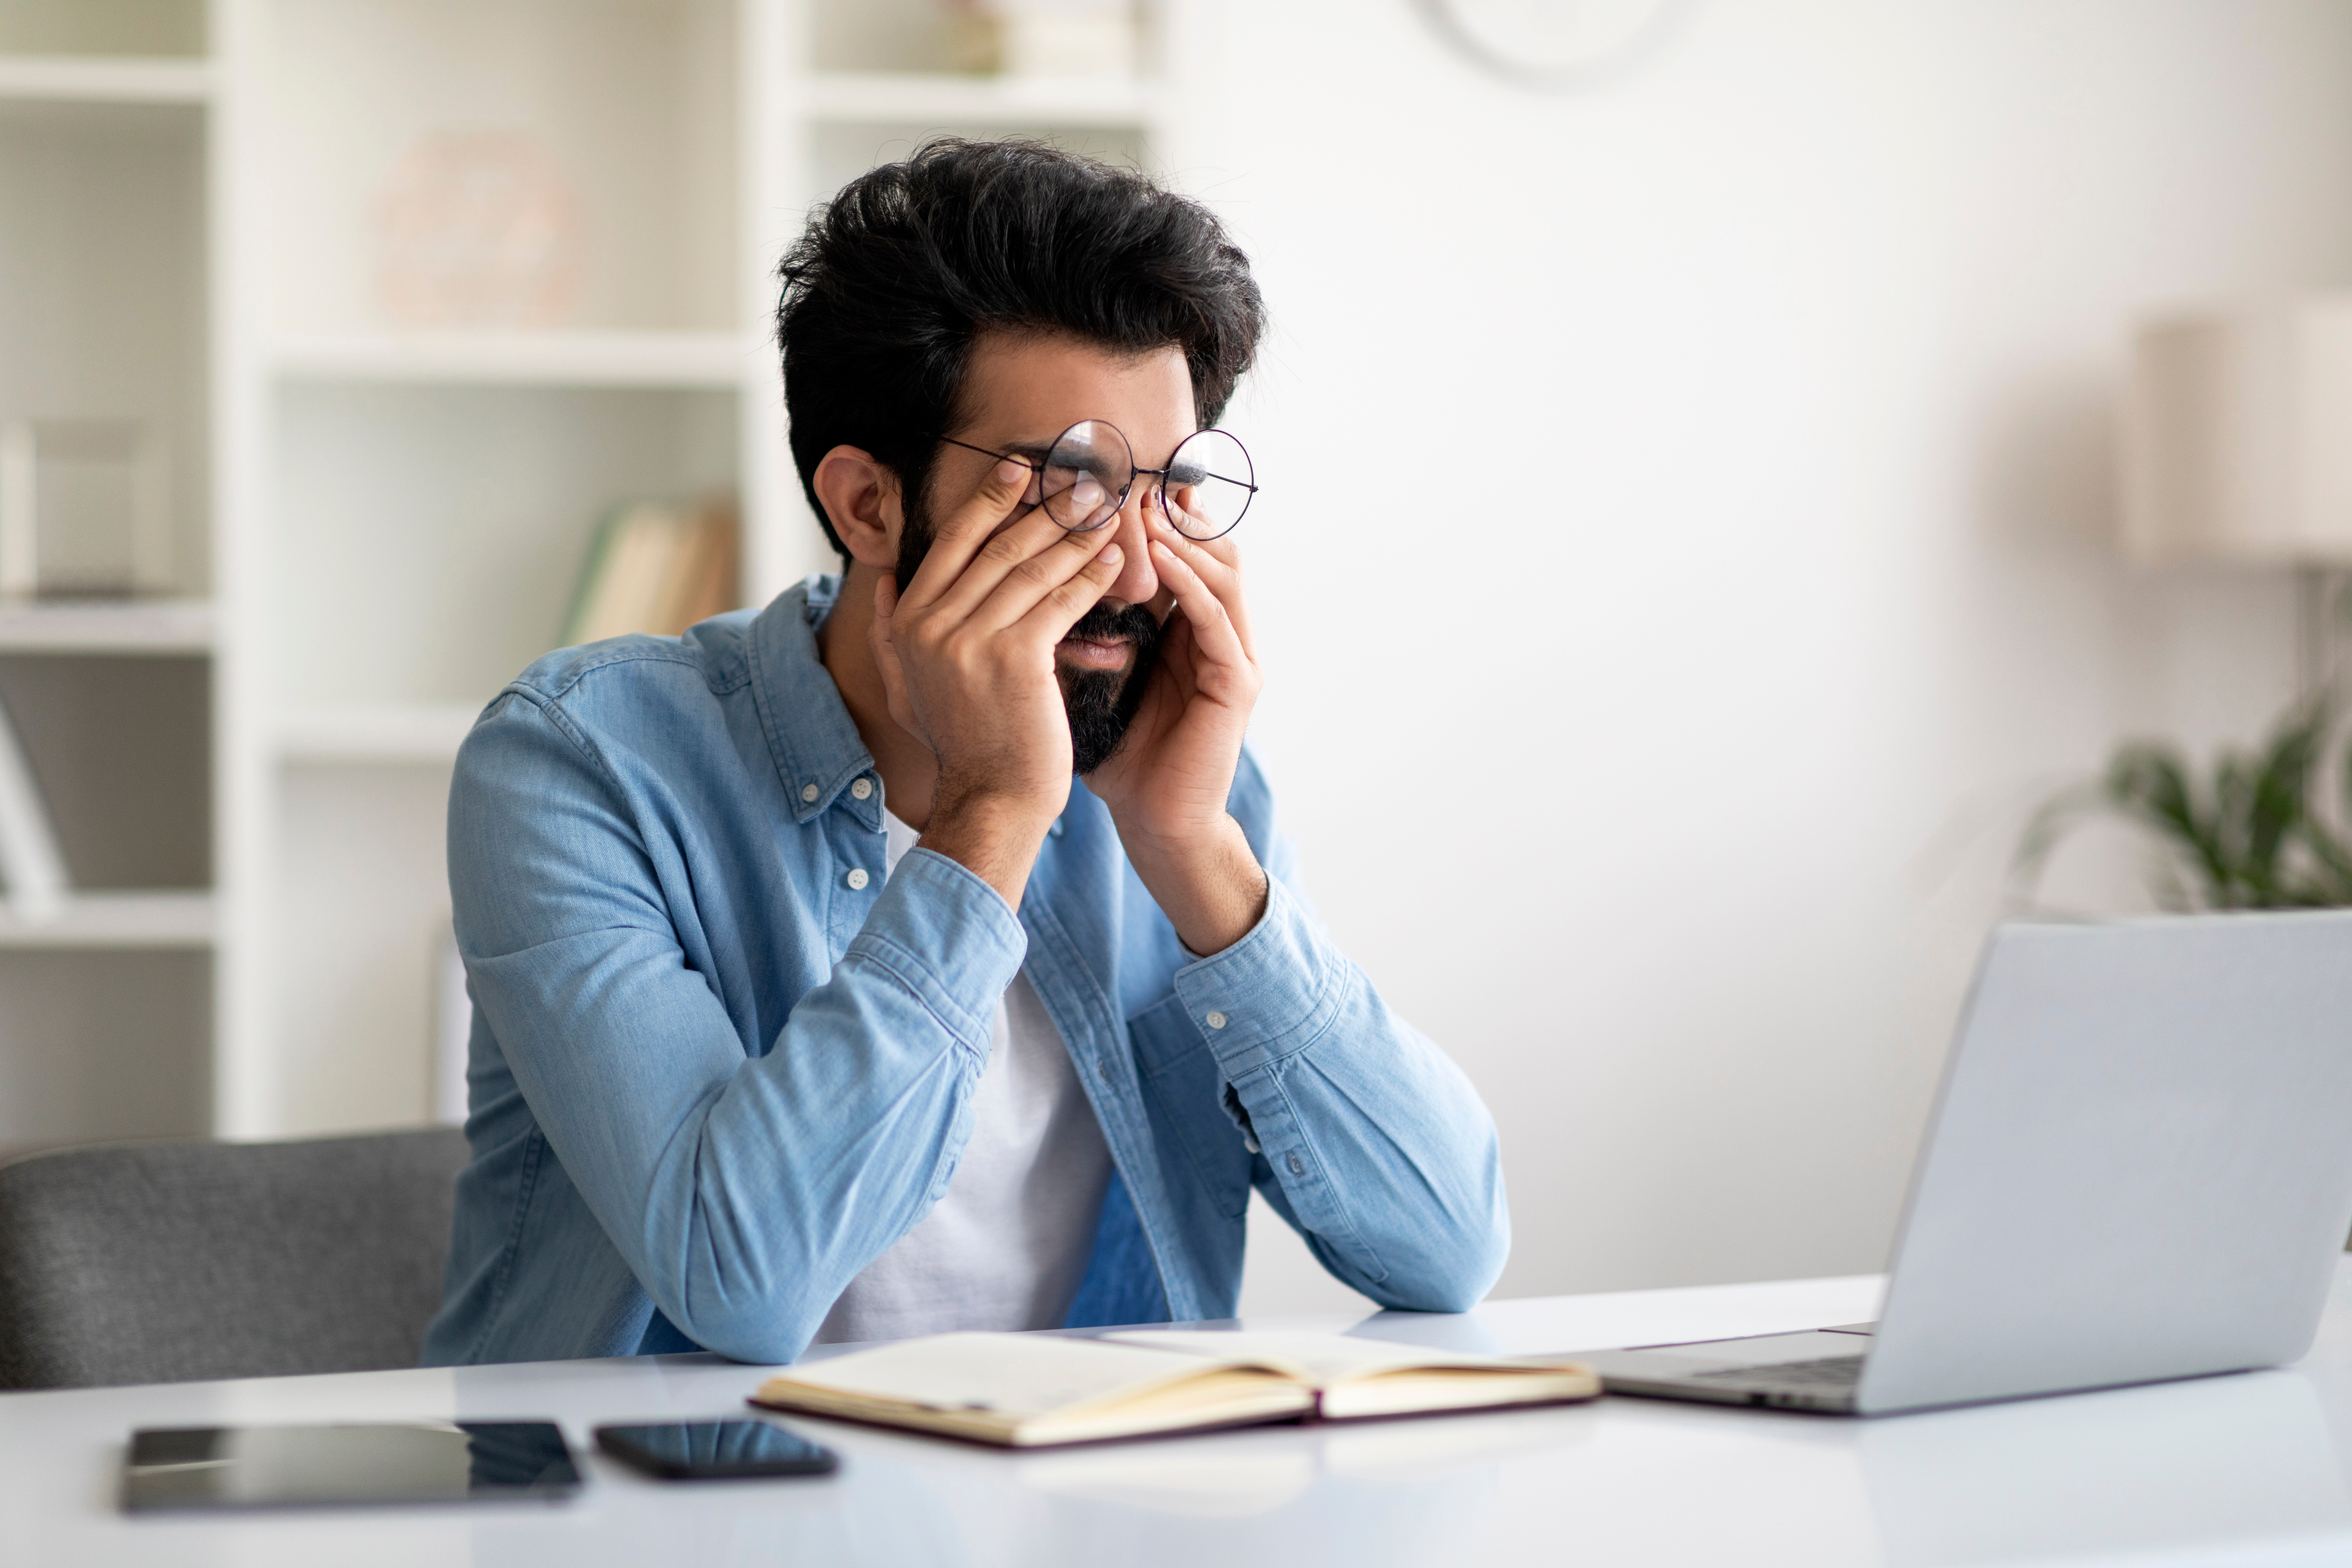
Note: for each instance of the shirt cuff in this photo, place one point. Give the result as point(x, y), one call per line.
point(1270, 993)
point(950, 937)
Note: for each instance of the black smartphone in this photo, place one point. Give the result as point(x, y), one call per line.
point(716, 1450)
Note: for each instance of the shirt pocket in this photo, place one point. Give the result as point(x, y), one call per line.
point(1185, 1088)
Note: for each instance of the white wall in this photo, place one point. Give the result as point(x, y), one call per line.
point(1682, 557)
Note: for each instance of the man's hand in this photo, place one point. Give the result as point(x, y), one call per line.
point(1166, 785)
point(967, 658)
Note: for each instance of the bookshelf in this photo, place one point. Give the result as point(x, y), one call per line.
point(383, 489)
point(517, 359)
point(72, 79)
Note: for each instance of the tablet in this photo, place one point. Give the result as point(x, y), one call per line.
point(324, 1466)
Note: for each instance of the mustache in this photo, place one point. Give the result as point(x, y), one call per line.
point(1125, 623)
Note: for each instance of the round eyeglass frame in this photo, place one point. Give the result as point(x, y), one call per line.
point(1136, 471)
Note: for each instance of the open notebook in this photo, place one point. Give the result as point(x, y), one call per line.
point(1035, 1391)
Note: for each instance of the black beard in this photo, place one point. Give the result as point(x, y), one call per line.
point(1100, 703)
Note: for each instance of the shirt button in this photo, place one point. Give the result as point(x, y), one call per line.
point(863, 789)
point(1297, 1166)
point(808, 792)
point(1216, 1020)
point(856, 879)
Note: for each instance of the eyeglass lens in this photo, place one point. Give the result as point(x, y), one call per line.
point(1091, 469)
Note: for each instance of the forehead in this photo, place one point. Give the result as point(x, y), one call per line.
point(1025, 386)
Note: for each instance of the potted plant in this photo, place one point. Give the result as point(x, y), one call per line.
point(2257, 833)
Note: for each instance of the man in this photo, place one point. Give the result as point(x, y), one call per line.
point(814, 999)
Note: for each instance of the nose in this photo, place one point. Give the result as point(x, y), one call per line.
point(1136, 581)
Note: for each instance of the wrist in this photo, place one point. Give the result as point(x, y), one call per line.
point(1207, 881)
point(994, 836)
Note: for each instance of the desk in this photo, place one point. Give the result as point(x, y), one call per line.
point(2244, 1469)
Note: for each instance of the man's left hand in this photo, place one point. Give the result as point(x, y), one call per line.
point(1166, 785)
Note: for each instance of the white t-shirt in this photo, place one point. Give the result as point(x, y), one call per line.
point(1007, 1243)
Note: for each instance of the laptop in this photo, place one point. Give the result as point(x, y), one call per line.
point(2139, 1167)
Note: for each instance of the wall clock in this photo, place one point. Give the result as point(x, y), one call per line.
point(1553, 43)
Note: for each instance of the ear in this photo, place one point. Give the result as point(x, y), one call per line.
point(862, 501)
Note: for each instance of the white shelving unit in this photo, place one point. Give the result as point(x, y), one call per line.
point(382, 515)
point(517, 359)
point(105, 311)
point(92, 921)
point(183, 626)
point(77, 79)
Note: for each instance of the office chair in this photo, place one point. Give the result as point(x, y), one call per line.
point(170, 1262)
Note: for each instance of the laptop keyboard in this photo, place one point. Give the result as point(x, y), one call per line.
point(1830, 1372)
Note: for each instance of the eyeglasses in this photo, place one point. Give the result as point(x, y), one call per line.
point(1089, 469)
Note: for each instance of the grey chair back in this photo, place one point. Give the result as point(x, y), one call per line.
point(166, 1262)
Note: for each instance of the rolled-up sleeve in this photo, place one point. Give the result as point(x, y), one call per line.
point(744, 1187)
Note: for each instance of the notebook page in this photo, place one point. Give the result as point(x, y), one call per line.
point(1016, 1375)
point(1324, 1358)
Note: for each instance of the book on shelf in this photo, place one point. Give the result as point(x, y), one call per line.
point(31, 864)
point(1039, 1391)
point(657, 568)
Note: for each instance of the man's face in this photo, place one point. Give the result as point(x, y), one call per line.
point(1023, 392)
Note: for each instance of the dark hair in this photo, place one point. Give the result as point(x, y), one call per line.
point(892, 280)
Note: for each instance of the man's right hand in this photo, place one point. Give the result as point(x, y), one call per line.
point(967, 656)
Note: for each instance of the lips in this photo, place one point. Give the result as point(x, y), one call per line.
point(1095, 653)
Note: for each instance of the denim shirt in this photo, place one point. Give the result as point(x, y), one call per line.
point(719, 1064)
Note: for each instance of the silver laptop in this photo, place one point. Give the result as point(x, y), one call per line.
point(2139, 1167)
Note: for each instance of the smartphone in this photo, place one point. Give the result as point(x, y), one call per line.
point(716, 1450)
point(357, 1465)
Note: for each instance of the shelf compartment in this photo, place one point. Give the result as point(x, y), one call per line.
point(104, 318)
point(937, 98)
point(75, 79)
point(519, 359)
point(162, 919)
point(99, 1045)
point(416, 732)
point(158, 627)
point(104, 29)
point(444, 530)
point(609, 128)
point(121, 749)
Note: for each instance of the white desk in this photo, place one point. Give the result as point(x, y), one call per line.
point(2246, 1469)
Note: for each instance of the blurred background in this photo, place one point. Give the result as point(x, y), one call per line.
point(1693, 539)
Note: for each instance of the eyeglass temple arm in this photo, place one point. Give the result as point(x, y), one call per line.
point(1007, 457)
point(1163, 473)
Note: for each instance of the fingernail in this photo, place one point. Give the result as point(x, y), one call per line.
point(1009, 472)
point(1110, 556)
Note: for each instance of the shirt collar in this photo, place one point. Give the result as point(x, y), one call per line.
point(811, 736)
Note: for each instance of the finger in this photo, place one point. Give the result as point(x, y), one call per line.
point(969, 526)
point(1058, 608)
point(1027, 558)
point(1029, 582)
point(885, 651)
point(1217, 563)
point(1176, 648)
point(1213, 632)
